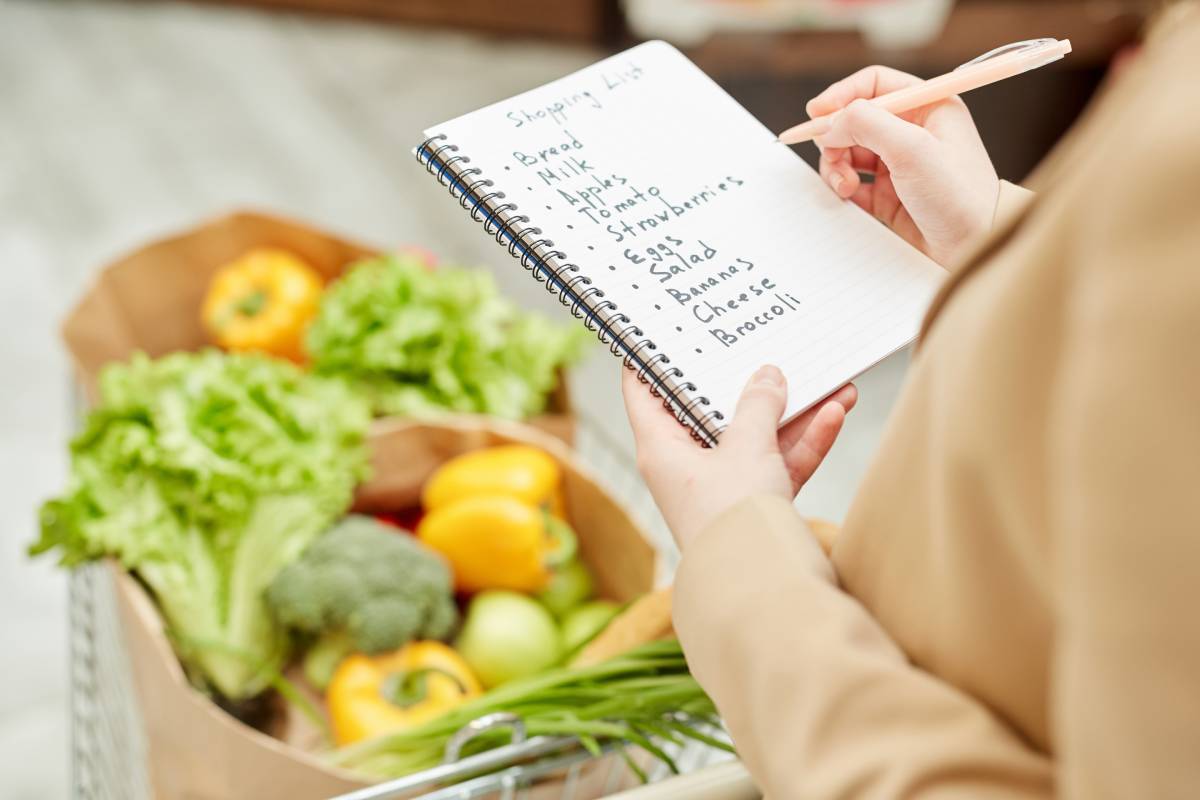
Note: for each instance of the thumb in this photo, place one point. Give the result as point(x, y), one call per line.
point(901, 145)
point(756, 420)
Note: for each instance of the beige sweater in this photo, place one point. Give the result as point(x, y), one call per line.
point(1017, 591)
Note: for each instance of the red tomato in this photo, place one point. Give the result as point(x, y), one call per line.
point(406, 519)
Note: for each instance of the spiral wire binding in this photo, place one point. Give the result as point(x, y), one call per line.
point(513, 231)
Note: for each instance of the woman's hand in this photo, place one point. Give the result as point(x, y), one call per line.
point(934, 183)
point(692, 485)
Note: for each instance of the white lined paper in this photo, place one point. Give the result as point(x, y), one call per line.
point(641, 151)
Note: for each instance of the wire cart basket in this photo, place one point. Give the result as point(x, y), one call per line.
point(108, 747)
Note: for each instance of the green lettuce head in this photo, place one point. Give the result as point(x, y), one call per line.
point(204, 474)
point(417, 342)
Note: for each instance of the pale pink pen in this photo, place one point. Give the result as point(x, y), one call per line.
point(991, 67)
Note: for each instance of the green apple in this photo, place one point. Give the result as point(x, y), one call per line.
point(569, 586)
point(583, 623)
point(508, 635)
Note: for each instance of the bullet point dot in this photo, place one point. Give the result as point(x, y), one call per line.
point(549, 208)
point(679, 329)
point(590, 247)
point(635, 286)
point(570, 227)
point(698, 350)
point(657, 307)
point(529, 188)
point(506, 169)
point(610, 266)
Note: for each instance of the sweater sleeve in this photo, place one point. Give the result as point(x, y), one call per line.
point(819, 701)
point(1010, 201)
point(1126, 483)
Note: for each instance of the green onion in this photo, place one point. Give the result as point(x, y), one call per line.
point(645, 697)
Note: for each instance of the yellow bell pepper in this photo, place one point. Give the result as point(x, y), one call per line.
point(263, 301)
point(372, 695)
point(495, 541)
point(525, 473)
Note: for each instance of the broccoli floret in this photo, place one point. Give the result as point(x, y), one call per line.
point(364, 586)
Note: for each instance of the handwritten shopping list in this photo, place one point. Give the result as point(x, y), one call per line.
point(710, 236)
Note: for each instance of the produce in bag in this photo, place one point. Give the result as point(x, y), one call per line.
point(498, 542)
point(569, 586)
point(506, 636)
point(515, 470)
point(373, 695)
point(263, 302)
point(496, 515)
point(418, 342)
point(646, 619)
point(581, 624)
point(641, 697)
point(204, 474)
point(363, 587)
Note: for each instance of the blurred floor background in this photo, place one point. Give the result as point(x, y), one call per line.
point(121, 121)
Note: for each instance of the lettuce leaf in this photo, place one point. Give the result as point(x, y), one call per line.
point(417, 342)
point(205, 474)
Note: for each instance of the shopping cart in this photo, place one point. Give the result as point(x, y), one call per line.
point(108, 749)
point(505, 771)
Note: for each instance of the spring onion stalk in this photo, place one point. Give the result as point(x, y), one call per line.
point(644, 697)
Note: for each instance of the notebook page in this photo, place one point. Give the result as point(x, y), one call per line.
point(717, 241)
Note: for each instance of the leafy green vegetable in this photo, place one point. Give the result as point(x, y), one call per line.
point(363, 586)
point(642, 697)
point(204, 474)
point(418, 342)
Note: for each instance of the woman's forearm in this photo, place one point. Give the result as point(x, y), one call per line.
point(820, 702)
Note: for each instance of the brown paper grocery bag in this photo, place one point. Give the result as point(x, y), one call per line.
point(150, 299)
point(196, 751)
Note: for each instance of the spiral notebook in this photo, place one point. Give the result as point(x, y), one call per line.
point(675, 226)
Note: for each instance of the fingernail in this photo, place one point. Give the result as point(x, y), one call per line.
point(769, 374)
point(836, 180)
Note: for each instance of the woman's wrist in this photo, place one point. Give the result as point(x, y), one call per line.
point(760, 521)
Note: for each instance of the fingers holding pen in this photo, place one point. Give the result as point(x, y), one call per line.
point(897, 143)
point(843, 170)
point(838, 171)
point(865, 84)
